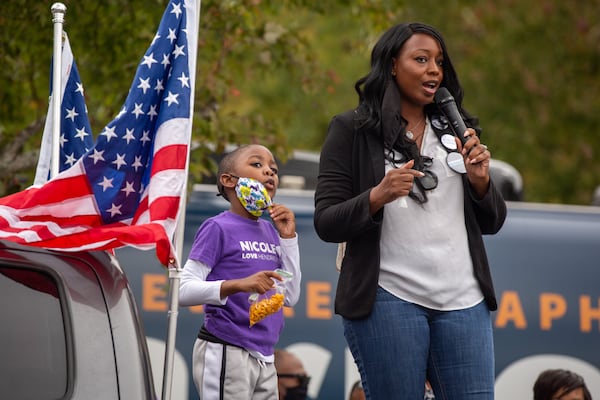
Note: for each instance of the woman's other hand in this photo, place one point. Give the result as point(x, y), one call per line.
point(396, 183)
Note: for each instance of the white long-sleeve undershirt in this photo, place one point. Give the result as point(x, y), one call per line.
point(194, 289)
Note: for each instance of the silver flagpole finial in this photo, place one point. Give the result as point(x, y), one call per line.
point(58, 12)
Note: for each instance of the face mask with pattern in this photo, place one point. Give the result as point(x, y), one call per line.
point(252, 195)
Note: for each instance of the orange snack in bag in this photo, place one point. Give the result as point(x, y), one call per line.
point(261, 306)
point(261, 309)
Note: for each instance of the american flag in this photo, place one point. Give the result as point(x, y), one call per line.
point(75, 131)
point(127, 189)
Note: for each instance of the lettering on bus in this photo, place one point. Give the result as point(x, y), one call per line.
point(551, 307)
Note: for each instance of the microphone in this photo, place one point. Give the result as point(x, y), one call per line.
point(446, 103)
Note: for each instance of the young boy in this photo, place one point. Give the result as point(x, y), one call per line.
point(235, 254)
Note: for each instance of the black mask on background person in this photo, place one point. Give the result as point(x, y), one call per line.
point(296, 392)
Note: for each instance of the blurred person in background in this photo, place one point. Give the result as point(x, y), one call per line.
point(560, 384)
point(292, 378)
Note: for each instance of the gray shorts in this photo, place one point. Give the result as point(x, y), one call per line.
point(225, 372)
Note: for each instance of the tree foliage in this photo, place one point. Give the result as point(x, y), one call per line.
point(275, 72)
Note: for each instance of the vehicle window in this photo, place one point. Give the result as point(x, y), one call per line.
point(33, 356)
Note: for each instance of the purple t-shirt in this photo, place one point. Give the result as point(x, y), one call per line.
point(235, 247)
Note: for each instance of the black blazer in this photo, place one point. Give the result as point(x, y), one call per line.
point(352, 162)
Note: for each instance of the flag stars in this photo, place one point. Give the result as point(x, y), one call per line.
point(106, 183)
point(172, 98)
point(145, 137)
point(149, 60)
point(138, 110)
point(79, 88)
point(159, 86)
point(176, 9)
point(71, 114)
point(152, 112)
point(166, 61)
point(109, 133)
point(128, 135)
point(81, 133)
point(172, 35)
point(179, 51)
point(120, 161)
point(137, 163)
point(114, 210)
point(128, 189)
point(97, 156)
point(62, 140)
point(71, 159)
point(144, 84)
point(184, 80)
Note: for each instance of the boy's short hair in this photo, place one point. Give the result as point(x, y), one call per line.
point(225, 167)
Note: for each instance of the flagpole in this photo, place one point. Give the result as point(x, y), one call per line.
point(58, 14)
point(175, 265)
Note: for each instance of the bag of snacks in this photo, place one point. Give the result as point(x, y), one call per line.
point(263, 305)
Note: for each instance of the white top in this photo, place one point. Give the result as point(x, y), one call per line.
point(424, 249)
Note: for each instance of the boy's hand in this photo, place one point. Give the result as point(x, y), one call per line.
point(259, 282)
point(284, 220)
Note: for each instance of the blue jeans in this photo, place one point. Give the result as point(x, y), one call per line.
point(400, 344)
